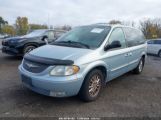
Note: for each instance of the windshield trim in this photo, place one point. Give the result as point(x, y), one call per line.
point(69, 45)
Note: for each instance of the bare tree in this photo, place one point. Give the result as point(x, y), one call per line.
point(115, 22)
point(126, 23)
point(151, 28)
point(129, 23)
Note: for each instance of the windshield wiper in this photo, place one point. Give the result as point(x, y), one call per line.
point(79, 43)
point(73, 43)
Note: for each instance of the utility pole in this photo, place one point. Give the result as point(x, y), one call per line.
point(48, 21)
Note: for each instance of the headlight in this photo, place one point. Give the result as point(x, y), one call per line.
point(64, 70)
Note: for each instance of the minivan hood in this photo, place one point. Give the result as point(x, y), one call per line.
point(60, 52)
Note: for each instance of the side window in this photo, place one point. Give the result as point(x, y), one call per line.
point(157, 42)
point(50, 35)
point(150, 42)
point(134, 37)
point(118, 35)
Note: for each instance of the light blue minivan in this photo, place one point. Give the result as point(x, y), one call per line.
point(83, 60)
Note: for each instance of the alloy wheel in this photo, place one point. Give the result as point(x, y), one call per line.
point(94, 85)
point(141, 66)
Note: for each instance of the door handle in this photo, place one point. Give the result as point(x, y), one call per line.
point(126, 55)
point(130, 54)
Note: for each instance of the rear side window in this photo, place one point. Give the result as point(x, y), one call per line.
point(134, 37)
point(157, 42)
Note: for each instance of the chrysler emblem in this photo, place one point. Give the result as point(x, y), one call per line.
point(30, 65)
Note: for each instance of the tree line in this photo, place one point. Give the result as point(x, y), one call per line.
point(150, 27)
point(21, 26)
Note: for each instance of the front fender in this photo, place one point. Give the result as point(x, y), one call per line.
point(86, 68)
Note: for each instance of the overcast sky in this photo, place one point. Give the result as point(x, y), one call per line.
point(79, 12)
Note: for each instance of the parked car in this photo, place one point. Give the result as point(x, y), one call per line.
point(83, 60)
point(154, 47)
point(21, 45)
point(2, 36)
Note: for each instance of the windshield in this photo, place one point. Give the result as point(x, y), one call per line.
point(35, 33)
point(86, 36)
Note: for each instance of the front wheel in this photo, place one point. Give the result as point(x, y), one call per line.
point(159, 53)
point(140, 67)
point(92, 86)
point(28, 48)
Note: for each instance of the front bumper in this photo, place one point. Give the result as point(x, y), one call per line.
point(10, 50)
point(50, 85)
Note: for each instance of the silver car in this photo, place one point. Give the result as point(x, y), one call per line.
point(83, 60)
point(154, 47)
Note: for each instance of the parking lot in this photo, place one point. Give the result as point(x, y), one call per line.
point(127, 96)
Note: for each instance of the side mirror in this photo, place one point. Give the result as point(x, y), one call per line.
point(45, 38)
point(114, 44)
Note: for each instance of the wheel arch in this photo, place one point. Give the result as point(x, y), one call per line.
point(143, 55)
point(98, 65)
point(31, 43)
point(159, 52)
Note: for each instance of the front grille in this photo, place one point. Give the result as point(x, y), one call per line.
point(34, 67)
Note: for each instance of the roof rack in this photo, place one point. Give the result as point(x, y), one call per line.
point(107, 24)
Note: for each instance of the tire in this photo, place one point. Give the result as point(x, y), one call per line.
point(89, 91)
point(139, 68)
point(28, 48)
point(159, 53)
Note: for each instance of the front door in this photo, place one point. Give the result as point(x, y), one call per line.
point(117, 58)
